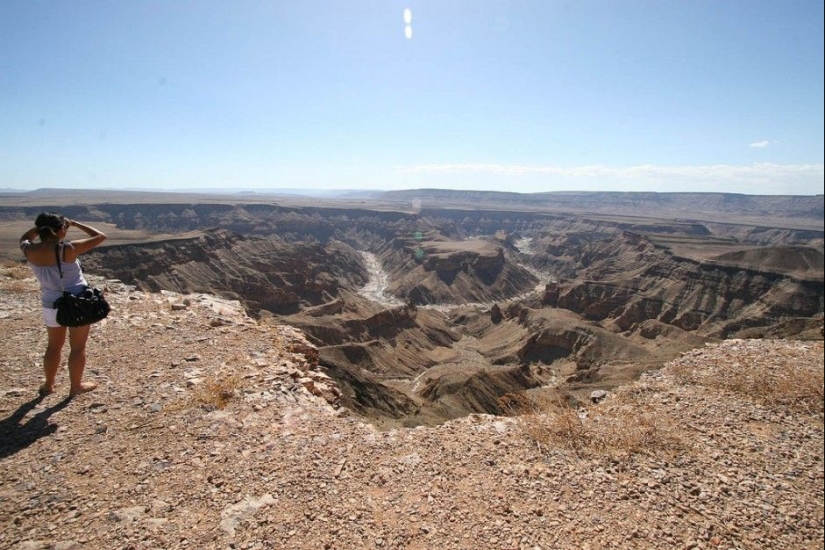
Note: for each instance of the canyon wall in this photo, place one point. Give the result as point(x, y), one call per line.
point(627, 292)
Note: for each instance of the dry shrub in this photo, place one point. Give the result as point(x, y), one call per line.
point(619, 429)
point(16, 270)
point(534, 421)
point(799, 388)
point(15, 275)
point(516, 404)
point(795, 386)
point(632, 428)
point(217, 391)
point(16, 286)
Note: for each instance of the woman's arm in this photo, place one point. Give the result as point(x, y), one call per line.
point(29, 235)
point(95, 237)
point(27, 238)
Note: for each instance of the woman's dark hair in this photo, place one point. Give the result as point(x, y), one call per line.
point(48, 224)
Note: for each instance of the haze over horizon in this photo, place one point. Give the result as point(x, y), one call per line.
point(532, 96)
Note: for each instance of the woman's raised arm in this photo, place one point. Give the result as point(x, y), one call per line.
point(95, 237)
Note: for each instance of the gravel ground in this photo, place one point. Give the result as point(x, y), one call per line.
point(211, 430)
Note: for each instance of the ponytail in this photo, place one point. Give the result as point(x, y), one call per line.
point(46, 233)
point(48, 224)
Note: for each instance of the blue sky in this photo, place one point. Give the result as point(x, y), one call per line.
point(664, 95)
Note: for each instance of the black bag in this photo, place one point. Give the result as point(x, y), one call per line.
point(77, 310)
point(83, 309)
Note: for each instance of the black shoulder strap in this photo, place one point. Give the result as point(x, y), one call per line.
point(57, 257)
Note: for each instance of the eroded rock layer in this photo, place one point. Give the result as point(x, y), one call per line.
point(495, 302)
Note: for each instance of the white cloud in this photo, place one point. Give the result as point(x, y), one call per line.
point(759, 144)
point(756, 178)
point(763, 169)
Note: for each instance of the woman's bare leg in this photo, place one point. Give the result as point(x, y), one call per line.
point(51, 359)
point(77, 360)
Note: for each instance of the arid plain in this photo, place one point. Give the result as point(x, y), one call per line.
point(580, 376)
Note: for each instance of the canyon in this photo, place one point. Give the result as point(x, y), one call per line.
point(430, 305)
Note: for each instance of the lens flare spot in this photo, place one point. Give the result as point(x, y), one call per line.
point(407, 16)
point(408, 32)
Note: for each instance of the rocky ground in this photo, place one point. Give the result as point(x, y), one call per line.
point(213, 430)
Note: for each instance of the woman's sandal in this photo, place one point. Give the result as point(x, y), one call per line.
point(43, 391)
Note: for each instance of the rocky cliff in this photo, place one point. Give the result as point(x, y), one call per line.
point(626, 292)
point(627, 280)
point(265, 273)
point(442, 271)
point(220, 434)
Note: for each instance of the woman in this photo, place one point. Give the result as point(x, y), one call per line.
point(51, 229)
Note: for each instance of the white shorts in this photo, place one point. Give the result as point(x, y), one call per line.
point(50, 317)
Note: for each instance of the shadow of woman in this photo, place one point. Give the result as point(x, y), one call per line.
point(15, 436)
